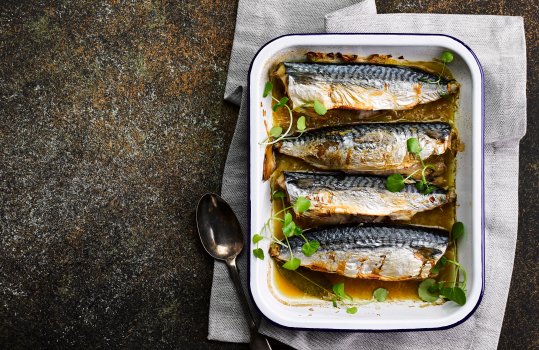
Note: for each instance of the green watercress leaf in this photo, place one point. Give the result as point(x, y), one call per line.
point(446, 57)
point(302, 204)
point(257, 238)
point(297, 231)
point(277, 194)
point(276, 131)
point(259, 253)
point(351, 310)
point(292, 264)
point(287, 219)
point(380, 294)
point(457, 230)
point(424, 292)
point(309, 248)
point(267, 89)
point(395, 183)
point(282, 103)
point(455, 294)
point(338, 289)
point(289, 229)
point(289, 225)
point(429, 188)
point(413, 145)
point(420, 185)
point(319, 108)
point(334, 302)
point(434, 289)
point(441, 263)
point(300, 124)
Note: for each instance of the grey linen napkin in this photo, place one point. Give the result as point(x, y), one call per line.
point(500, 46)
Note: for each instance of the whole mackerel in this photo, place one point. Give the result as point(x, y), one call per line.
point(383, 252)
point(362, 86)
point(377, 147)
point(339, 198)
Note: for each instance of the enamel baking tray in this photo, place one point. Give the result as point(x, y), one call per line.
point(385, 316)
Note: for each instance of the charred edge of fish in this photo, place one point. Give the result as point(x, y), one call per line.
point(270, 163)
point(279, 78)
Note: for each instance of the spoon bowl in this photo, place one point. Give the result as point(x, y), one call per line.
point(218, 227)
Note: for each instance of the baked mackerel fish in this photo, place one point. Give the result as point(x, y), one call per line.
point(340, 198)
point(383, 252)
point(377, 147)
point(362, 86)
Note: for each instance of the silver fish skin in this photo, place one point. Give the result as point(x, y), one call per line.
point(383, 252)
point(363, 86)
point(368, 146)
point(339, 198)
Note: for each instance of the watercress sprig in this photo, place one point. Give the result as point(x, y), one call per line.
point(342, 296)
point(276, 132)
point(290, 228)
point(446, 57)
point(396, 182)
point(429, 290)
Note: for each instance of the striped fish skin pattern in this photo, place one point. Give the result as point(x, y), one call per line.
point(383, 252)
point(368, 146)
point(339, 198)
point(363, 86)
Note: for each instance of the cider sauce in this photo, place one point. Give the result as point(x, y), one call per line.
point(361, 289)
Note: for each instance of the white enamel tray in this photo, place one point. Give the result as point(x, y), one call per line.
point(401, 315)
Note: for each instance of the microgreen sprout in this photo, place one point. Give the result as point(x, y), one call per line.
point(340, 295)
point(429, 290)
point(396, 182)
point(280, 103)
point(267, 89)
point(276, 133)
point(446, 57)
point(338, 289)
point(457, 230)
point(319, 108)
point(258, 252)
point(380, 294)
point(290, 229)
point(351, 310)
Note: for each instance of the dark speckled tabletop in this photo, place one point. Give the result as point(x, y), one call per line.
point(112, 125)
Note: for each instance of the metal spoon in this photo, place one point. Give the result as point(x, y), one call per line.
point(221, 236)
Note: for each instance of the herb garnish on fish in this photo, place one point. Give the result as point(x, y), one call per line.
point(395, 182)
point(290, 229)
point(341, 295)
point(276, 132)
point(429, 290)
point(446, 57)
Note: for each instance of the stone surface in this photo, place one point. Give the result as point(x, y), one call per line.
point(112, 125)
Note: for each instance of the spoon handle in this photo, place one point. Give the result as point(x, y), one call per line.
point(258, 341)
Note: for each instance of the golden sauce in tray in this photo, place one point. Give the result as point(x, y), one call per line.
point(441, 110)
